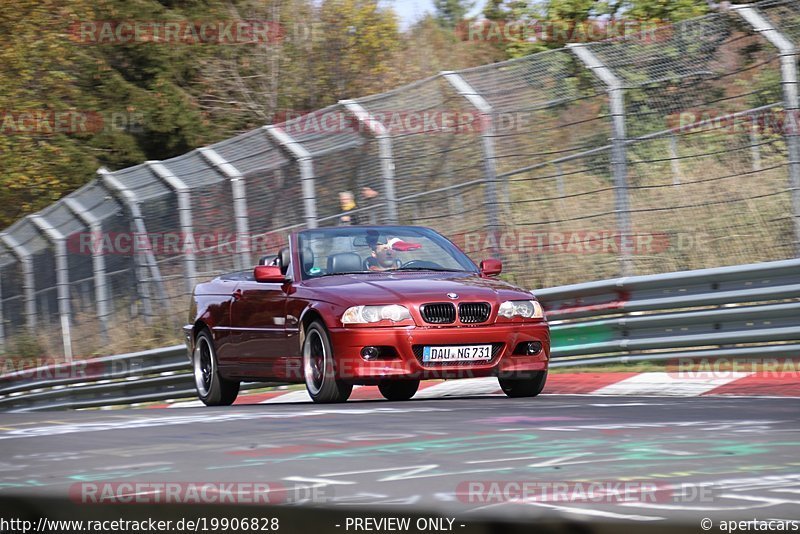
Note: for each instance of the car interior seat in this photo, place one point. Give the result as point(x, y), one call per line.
point(307, 257)
point(344, 263)
point(283, 260)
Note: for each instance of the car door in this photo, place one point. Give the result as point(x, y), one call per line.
point(258, 323)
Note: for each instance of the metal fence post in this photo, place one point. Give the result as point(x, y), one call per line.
point(384, 140)
point(59, 242)
point(185, 216)
point(560, 186)
point(239, 194)
point(305, 162)
point(788, 55)
point(487, 136)
point(98, 261)
point(28, 289)
point(619, 161)
point(674, 160)
point(755, 151)
point(145, 252)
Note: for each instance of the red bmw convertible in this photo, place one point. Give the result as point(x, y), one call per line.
point(381, 305)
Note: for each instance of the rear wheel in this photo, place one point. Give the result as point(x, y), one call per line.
point(527, 386)
point(398, 390)
point(318, 368)
point(212, 389)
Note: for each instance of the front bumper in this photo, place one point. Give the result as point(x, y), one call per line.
point(348, 342)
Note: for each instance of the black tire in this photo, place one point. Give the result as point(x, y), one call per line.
point(212, 389)
point(528, 386)
point(318, 367)
point(398, 390)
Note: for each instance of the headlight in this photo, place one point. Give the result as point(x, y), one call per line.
point(530, 309)
point(373, 314)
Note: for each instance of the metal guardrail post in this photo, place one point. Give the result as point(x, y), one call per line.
point(788, 58)
point(130, 200)
point(239, 193)
point(619, 163)
point(185, 216)
point(98, 261)
point(2, 320)
point(487, 136)
point(384, 139)
point(59, 242)
point(306, 165)
point(28, 283)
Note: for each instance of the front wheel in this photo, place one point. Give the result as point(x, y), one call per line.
point(318, 367)
point(212, 389)
point(398, 390)
point(529, 386)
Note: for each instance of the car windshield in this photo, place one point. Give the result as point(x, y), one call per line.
point(362, 249)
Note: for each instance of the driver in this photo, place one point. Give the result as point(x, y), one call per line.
point(384, 256)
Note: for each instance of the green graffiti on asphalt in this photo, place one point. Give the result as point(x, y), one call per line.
point(533, 445)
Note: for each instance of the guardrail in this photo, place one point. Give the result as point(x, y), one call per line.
point(744, 311)
point(739, 312)
point(137, 377)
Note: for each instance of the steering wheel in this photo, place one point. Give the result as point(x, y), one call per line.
point(421, 264)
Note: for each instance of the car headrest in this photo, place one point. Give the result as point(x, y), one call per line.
point(283, 259)
point(307, 258)
point(344, 263)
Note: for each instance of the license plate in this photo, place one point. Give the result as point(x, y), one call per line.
point(464, 353)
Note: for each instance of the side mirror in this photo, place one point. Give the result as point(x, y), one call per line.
point(268, 273)
point(491, 267)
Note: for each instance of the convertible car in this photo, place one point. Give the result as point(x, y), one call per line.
point(376, 305)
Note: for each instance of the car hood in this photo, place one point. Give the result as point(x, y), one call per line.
point(386, 288)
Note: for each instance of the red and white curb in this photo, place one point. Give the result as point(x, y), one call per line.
point(652, 384)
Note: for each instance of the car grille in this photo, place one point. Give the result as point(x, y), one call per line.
point(497, 348)
point(474, 312)
point(438, 313)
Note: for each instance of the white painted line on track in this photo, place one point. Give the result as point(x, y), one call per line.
point(461, 387)
point(668, 384)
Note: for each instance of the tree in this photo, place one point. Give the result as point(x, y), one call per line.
point(449, 13)
point(553, 23)
point(150, 100)
point(429, 48)
point(126, 101)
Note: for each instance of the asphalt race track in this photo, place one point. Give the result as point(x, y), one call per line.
point(708, 457)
